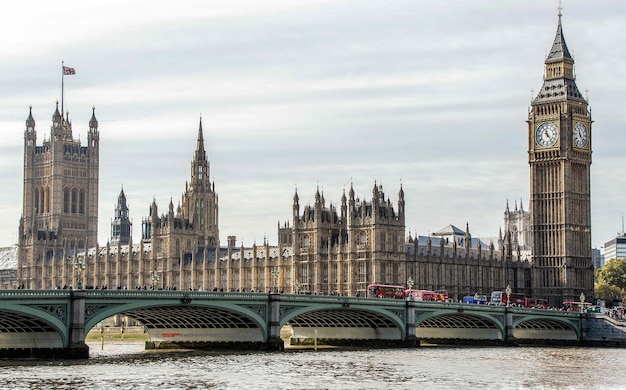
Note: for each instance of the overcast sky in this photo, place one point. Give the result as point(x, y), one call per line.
point(430, 94)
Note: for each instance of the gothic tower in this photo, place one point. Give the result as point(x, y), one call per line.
point(559, 154)
point(60, 209)
point(200, 200)
point(121, 226)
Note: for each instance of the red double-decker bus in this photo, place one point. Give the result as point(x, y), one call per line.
point(424, 295)
point(517, 299)
point(385, 291)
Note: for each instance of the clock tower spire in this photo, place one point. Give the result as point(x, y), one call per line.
point(559, 155)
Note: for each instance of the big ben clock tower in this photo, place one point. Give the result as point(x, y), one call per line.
point(559, 154)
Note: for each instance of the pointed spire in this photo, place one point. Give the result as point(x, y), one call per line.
point(559, 51)
point(93, 122)
point(30, 121)
point(200, 152)
point(56, 117)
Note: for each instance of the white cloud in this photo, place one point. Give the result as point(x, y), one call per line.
point(432, 94)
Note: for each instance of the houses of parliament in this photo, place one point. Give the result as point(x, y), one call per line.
point(544, 252)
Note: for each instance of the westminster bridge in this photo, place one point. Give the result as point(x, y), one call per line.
point(55, 322)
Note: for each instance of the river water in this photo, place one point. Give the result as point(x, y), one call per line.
point(125, 365)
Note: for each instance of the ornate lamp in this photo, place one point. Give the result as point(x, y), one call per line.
point(275, 272)
point(155, 279)
point(296, 286)
point(582, 302)
point(79, 267)
point(410, 283)
point(508, 295)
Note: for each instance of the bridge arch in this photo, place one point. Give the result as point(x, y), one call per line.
point(195, 320)
point(29, 326)
point(541, 327)
point(344, 321)
point(456, 323)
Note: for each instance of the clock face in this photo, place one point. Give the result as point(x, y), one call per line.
point(546, 134)
point(580, 135)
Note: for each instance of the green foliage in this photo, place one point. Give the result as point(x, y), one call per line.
point(613, 273)
point(608, 293)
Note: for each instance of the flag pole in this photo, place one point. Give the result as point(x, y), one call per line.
point(62, 86)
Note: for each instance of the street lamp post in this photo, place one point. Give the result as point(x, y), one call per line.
point(296, 286)
point(275, 274)
point(582, 302)
point(155, 279)
point(410, 283)
point(79, 267)
point(508, 295)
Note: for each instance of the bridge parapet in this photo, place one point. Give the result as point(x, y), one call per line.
point(54, 317)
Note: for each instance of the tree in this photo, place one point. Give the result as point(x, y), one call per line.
point(613, 273)
point(608, 293)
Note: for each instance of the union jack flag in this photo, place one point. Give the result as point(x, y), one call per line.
point(68, 71)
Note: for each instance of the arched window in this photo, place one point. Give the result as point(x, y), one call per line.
point(47, 200)
point(81, 202)
point(74, 201)
point(66, 200)
point(36, 201)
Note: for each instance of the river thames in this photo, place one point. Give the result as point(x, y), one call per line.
point(125, 365)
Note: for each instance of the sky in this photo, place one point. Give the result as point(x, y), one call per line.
point(432, 95)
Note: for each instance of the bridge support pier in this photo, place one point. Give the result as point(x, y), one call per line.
point(274, 342)
point(77, 348)
point(508, 339)
point(410, 338)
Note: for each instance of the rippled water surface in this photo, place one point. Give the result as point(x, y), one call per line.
point(128, 366)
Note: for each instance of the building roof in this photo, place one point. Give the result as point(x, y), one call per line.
point(8, 257)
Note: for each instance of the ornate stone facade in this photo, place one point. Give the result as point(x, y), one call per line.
point(324, 248)
point(60, 209)
point(559, 154)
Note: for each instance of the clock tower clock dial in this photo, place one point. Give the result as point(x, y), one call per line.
point(546, 134)
point(580, 135)
point(559, 156)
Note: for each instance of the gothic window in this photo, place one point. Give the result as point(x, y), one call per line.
point(362, 272)
point(36, 201)
point(305, 274)
point(325, 274)
point(177, 247)
point(201, 213)
point(395, 275)
point(81, 202)
point(335, 273)
point(345, 273)
point(46, 204)
point(74, 201)
point(383, 247)
point(306, 242)
point(362, 238)
point(66, 200)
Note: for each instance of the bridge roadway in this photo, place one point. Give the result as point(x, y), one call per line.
point(54, 323)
